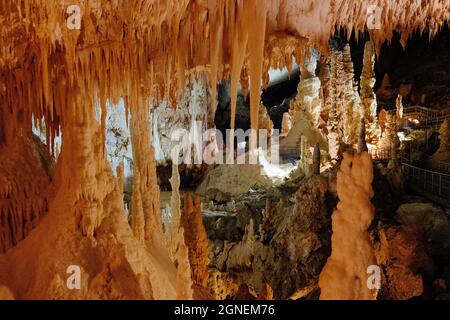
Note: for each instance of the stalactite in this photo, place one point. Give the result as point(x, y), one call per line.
point(184, 273)
point(368, 98)
point(345, 273)
point(196, 239)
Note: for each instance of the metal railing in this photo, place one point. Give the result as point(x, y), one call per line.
point(435, 183)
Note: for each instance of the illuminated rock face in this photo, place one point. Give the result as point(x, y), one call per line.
point(344, 276)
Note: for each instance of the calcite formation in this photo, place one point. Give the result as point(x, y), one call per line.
point(184, 276)
point(345, 273)
point(335, 117)
point(173, 225)
point(196, 239)
point(64, 69)
point(306, 108)
point(368, 98)
point(352, 107)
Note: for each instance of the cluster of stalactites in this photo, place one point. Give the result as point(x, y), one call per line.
point(148, 48)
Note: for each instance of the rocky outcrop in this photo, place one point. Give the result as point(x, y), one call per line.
point(403, 258)
point(285, 242)
point(434, 221)
point(443, 153)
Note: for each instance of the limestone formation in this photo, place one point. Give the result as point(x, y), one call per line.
point(286, 124)
point(399, 111)
point(265, 123)
point(351, 99)
point(64, 65)
point(345, 273)
point(196, 239)
point(368, 98)
point(173, 224)
point(316, 159)
point(306, 108)
point(362, 145)
point(184, 277)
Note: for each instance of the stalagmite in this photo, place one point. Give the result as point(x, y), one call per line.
point(399, 111)
point(325, 80)
point(335, 124)
point(120, 178)
point(306, 108)
point(175, 202)
point(137, 211)
point(265, 123)
point(362, 145)
point(351, 98)
point(286, 124)
point(184, 274)
point(344, 276)
point(368, 98)
point(305, 160)
point(316, 159)
point(196, 239)
point(144, 166)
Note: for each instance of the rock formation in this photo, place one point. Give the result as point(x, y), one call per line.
point(399, 111)
point(345, 273)
point(402, 255)
point(368, 98)
point(443, 153)
point(173, 225)
point(65, 71)
point(196, 239)
point(335, 123)
point(351, 99)
point(306, 108)
point(286, 124)
point(265, 123)
point(184, 274)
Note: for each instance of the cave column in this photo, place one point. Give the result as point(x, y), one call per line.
point(144, 165)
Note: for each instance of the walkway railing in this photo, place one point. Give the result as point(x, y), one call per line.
point(434, 183)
